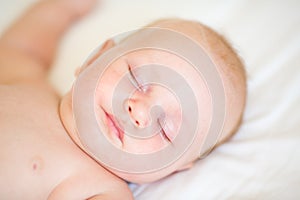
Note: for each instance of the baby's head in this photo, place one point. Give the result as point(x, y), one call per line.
point(137, 91)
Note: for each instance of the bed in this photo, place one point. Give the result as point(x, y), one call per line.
point(262, 160)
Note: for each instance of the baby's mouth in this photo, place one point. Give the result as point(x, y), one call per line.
point(114, 127)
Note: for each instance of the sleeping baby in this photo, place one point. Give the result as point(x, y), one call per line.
point(142, 108)
point(156, 100)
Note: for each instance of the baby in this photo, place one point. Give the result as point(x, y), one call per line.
point(41, 161)
point(125, 81)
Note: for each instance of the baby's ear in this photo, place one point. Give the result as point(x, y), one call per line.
point(107, 45)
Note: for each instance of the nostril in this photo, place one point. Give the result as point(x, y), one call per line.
point(129, 109)
point(137, 122)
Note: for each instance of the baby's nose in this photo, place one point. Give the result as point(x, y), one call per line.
point(139, 111)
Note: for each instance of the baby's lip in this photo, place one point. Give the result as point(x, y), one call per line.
point(114, 126)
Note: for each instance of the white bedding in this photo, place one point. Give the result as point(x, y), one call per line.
point(262, 161)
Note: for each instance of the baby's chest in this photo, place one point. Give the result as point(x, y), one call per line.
point(33, 165)
point(35, 151)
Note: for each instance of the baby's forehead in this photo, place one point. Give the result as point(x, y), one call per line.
point(214, 44)
point(204, 36)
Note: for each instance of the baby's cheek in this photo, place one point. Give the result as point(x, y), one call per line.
point(173, 123)
point(173, 118)
point(110, 86)
point(104, 93)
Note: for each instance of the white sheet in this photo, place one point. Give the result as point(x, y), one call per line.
point(262, 161)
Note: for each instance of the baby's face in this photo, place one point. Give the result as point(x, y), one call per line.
point(160, 108)
point(142, 107)
point(139, 102)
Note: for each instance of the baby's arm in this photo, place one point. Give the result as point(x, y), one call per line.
point(92, 183)
point(28, 47)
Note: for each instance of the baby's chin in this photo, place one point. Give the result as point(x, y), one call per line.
point(155, 175)
point(141, 178)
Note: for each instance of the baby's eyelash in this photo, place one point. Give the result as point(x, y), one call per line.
point(133, 78)
point(163, 132)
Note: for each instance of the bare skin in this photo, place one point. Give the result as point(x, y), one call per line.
point(38, 158)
